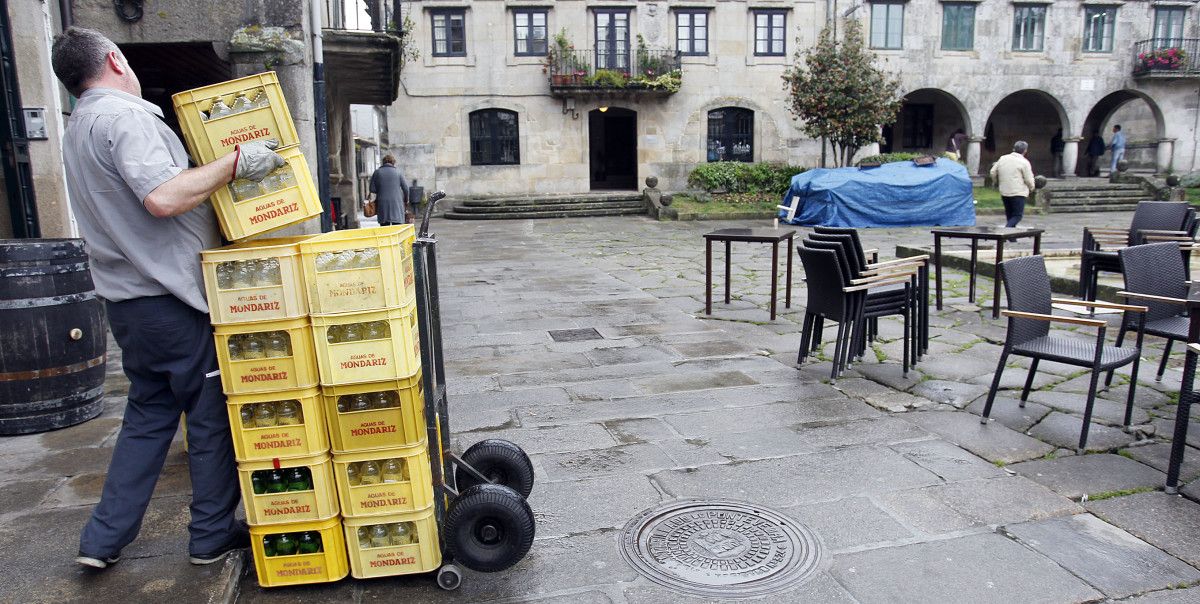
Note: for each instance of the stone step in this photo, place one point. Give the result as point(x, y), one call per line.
point(522, 200)
point(550, 207)
point(1095, 186)
point(1124, 207)
point(1054, 201)
point(561, 213)
point(1098, 194)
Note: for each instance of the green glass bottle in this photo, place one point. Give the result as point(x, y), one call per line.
point(258, 482)
point(286, 545)
point(299, 479)
point(310, 542)
point(269, 546)
point(277, 482)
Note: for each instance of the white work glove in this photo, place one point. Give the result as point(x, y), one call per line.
point(256, 159)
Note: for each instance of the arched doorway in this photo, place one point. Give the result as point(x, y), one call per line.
point(927, 119)
point(612, 148)
point(1140, 119)
point(1032, 116)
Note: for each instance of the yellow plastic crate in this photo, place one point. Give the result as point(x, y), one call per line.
point(399, 544)
point(286, 196)
point(302, 505)
point(277, 425)
point(298, 569)
point(410, 487)
point(251, 371)
point(371, 346)
point(377, 415)
point(359, 269)
point(257, 280)
point(210, 138)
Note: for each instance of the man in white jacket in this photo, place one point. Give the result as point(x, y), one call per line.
point(1014, 177)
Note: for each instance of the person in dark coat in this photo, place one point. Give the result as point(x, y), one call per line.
point(1095, 149)
point(1056, 152)
point(389, 191)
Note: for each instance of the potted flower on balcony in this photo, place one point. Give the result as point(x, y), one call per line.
point(1162, 59)
point(562, 62)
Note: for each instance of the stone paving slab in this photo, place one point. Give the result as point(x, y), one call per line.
point(1103, 411)
point(594, 463)
point(976, 503)
point(980, 569)
point(950, 392)
point(557, 439)
point(748, 419)
point(829, 520)
point(1090, 475)
point(820, 588)
point(1108, 558)
point(1008, 411)
point(993, 442)
point(1169, 596)
point(949, 462)
point(583, 506)
point(1062, 430)
point(1168, 522)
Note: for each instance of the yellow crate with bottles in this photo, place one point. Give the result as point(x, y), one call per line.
point(259, 280)
point(376, 415)
point(288, 490)
point(397, 544)
point(216, 118)
point(287, 195)
point(266, 356)
point(377, 483)
point(369, 346)
point(359, 269)
point(282, 424)
point(299, 553)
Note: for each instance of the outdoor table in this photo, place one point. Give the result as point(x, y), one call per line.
point(977, 234)
point(1187, 395)
point(772, 236)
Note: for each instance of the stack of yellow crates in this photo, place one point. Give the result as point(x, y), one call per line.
point(362, 299)
point(269, 374)
point(215, 119)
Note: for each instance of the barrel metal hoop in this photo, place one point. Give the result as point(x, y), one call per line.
point(16, 376)
point(42, 270)
point(20, 303)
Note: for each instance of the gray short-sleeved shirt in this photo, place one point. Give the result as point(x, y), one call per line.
point(117, 150)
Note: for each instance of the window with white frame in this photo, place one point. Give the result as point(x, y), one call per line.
point(1098, 24)
point(958, 26)
point(887, 25)
point(1168, 26)
point(1029, 27)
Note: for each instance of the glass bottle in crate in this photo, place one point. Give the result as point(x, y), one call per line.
point(258, 482)
point(280, 179)
point(285, 544)
point(224, 275)
point(247, 414)
point(380, 400)
point(392, 471)
point(243, 189)
point(324, 262)
point(362, 402)
point(364, 537)
point(219, 109)
point(252, 347)
point(343, 403)
point(243, 274)
point(376, 330)
point(268, 273)
point(309, 543)
point(402, 533)
point(299, 479)
point(261, 100)
point(276, 481)
point(278, 344)
point(235, 347)
point(333, 334)
point(352, 332)
point(289, 413)
point(269, 546)
point(370, 473)
point(352, 475)
point(380, 536)
point(264, 415)
point(369, 257)
point(240, 104)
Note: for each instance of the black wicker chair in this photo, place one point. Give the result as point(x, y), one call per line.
point(1155, 276)
point(1153, 221)
point(1029, 315)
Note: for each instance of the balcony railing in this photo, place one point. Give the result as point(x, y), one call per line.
point(651, 71)
point(363, 15)
point(1167, 58)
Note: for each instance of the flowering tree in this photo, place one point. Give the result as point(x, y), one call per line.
point(838, 93)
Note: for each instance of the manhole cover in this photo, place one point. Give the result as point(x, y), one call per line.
point(575, 335)
point(720, 548)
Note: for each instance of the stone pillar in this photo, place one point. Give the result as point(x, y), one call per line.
point(1165, 155)
point(1070, 156)
point(973, 148)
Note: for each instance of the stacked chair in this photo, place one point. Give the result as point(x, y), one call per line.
point(1153, 221)
point(1155, 276)
point(845, 288)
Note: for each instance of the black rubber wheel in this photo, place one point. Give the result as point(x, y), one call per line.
point(488, 528)
point(449, 577)
point(501, 461)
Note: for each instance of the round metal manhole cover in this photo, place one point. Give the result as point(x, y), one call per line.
point(721, 548)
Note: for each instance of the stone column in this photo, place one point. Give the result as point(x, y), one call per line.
point(1070, 156)
point(1165, 155)
point(973, 148)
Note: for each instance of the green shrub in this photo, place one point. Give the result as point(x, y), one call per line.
point(1190, 180)
point(741, 177)
point(886, 158)
point(607, 78)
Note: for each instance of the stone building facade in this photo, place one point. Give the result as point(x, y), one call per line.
point(1000, 70)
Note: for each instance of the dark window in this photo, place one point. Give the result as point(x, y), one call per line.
point(1098, 22)
point(449, 32)
point(612, 39)
point(691, 32)
point(887, 25)
point(731, 134)
point(1029, 27)
point(529, 31)
point(770, 31)
point(1168, 26)
point(495, 139)
point(918, 126)
point(958, 26)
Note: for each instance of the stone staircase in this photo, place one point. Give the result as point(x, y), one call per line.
point(547, 206)
point(1090, 195)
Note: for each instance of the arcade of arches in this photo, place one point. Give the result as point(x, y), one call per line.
point(930, 117)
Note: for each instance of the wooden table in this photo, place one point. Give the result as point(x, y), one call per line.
point(976, 234)
point(1187, 394)
point(772, 236)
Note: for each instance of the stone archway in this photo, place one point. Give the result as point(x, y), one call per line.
point(1141, 120)
point(1028, 115)
point(927, 119)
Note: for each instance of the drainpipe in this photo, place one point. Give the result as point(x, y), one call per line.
point(320, 119)
point(64, 12)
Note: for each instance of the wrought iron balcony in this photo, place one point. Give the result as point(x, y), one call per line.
point(1167, 58)
point(600, 73)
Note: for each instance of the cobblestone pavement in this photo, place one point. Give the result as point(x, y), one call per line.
point(913, 500)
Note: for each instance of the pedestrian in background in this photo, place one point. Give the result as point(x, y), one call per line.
point(144, 216)
point(954, 144)
point(1056, 153)
point(1014, 177)
point(1118, 147)
point(1095, 149)
point(389, 191)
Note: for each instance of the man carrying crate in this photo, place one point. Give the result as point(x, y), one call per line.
point(143, 214)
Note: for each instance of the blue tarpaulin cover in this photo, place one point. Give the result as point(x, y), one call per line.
point(895, 194)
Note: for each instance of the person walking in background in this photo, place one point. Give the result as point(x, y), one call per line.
point(144, 215)
point(1095, 149)
point(1056, 153)
point(1014, 177)
point(954, 144)
point(1118, 147)
point(389, 191)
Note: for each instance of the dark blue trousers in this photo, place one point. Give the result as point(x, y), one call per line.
point(1014, 209)
point(169, 357)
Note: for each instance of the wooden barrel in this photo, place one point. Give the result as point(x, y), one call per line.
point(52, 336)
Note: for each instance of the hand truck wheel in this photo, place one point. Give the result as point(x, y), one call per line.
point(449, 577)
point(488, 528)
point(501, 462)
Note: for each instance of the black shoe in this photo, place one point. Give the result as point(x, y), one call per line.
point(97, 562)
point(241, 540)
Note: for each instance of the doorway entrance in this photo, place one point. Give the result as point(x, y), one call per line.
point(613, 149)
